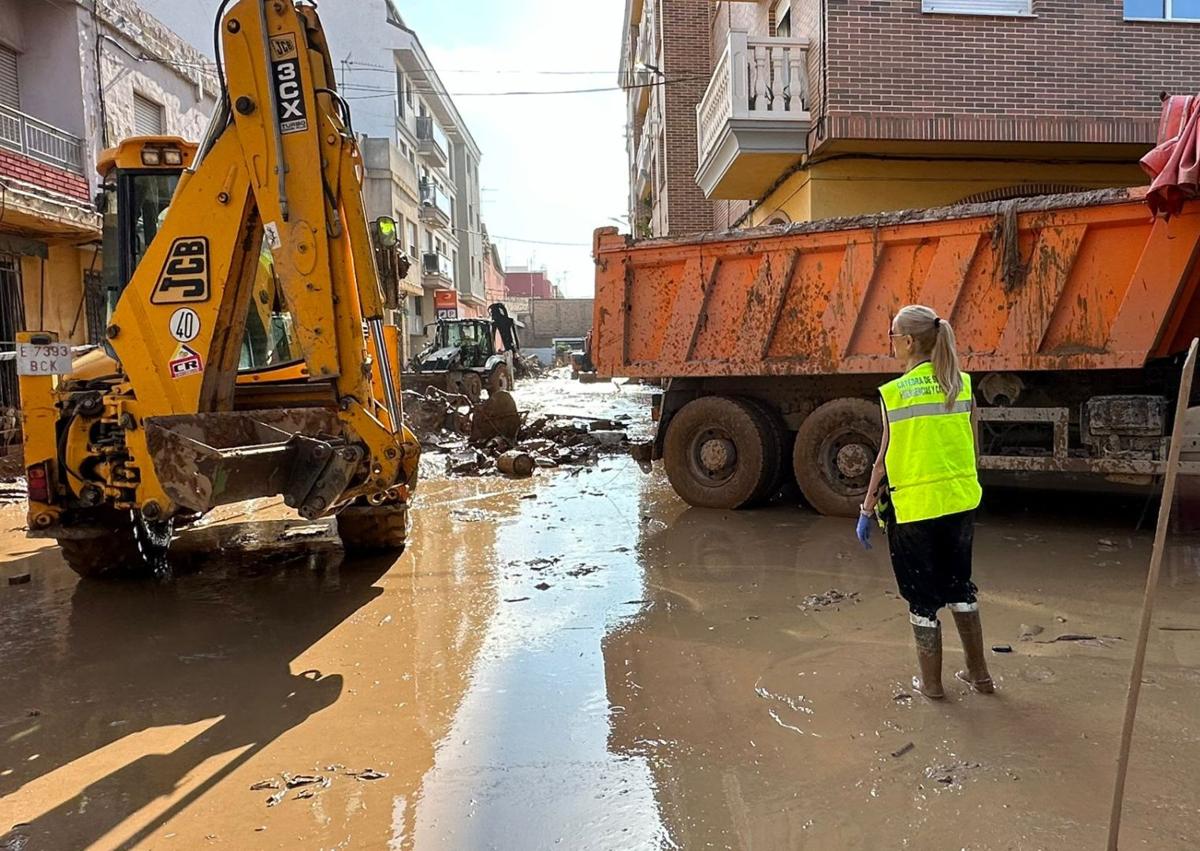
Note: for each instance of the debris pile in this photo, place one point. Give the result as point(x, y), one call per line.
point(527, 366)
point(493, 437)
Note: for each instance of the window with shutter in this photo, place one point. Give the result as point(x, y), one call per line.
point(979, 7)
point(10, 84)
point(147, 116)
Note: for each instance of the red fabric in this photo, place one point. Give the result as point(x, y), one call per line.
point(1174, 166)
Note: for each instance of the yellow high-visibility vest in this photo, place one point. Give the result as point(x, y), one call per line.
point(930, 457)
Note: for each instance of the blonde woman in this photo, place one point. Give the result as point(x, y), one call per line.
point(928, 455)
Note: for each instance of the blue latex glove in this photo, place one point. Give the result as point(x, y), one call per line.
point(864, 530)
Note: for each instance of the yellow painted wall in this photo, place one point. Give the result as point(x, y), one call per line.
point(63, 292)
point(851, 186)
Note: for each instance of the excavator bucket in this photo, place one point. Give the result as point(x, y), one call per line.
point(206, 460)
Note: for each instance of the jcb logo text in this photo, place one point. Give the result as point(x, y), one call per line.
point(184, 277)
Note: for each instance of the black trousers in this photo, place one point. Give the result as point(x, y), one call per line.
point(932, 561)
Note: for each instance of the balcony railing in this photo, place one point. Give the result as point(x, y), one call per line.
point(432, 140)
point(644, 161)
point(760, 86)
point(646, 50)
point(40, 141)
point(435, 265)
point(435, 204)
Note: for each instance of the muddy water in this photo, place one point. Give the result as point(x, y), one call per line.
point(579, 662)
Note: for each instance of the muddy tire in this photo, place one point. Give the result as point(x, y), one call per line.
point(471, 386)
point(366, 529)
point(833, 455)
point(716, 453)
point(111, 552)
point(499, 380)
point(777, 446)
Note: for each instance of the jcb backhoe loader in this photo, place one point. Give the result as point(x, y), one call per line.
point(246, 354)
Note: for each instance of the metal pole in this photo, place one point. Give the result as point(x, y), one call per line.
point(1156, 556)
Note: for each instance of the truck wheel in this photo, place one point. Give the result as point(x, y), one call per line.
point(716, 453)
point(499, 380)
point(835, 450)
point(776, 448)
point(370, 529)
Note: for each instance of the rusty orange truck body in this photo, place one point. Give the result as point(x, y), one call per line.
point(1072, 313)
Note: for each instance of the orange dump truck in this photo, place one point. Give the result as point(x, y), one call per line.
point(1072, 314)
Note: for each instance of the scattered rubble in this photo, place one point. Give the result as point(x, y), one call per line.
point(307, 785)
point(516, 463)
point(832, 597)
point(951, 774)
point(1029, 631)
point(292, 781)
point(527, 367)
point(495, 438)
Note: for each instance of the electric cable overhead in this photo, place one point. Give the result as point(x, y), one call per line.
point(391, 93)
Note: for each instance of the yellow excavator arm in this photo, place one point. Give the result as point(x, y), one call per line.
point(165, 436)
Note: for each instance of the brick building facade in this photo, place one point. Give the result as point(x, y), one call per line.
point(1073, 72)
point(664, 70)
point(819, 108)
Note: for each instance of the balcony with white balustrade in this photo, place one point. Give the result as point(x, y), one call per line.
point(754, 119)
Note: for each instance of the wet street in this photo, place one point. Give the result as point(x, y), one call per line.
point(580, 661)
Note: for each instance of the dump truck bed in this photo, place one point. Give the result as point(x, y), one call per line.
point(1068, 282)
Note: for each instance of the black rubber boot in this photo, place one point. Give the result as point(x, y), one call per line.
point(970, 630)
point(929, 658)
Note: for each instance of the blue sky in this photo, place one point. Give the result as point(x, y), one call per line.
point(554, 165)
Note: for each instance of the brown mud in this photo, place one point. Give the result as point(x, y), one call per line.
point(578, 661)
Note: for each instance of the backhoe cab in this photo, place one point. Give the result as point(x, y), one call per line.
point(245, 351)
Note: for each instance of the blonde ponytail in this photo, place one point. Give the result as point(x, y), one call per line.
point(945, 363)
point(934, 338)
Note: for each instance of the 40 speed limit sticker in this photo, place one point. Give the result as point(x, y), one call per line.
point(185, 325)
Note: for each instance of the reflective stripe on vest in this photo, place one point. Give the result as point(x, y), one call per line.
point(931, 447)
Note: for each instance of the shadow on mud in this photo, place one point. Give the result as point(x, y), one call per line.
point(110, 659)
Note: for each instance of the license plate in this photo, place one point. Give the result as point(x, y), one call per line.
point(46, 359)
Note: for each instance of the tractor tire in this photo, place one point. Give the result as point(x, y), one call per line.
point(778, 444)
point(835, 450)
point(367, 529)
point(112, 552)
point(716, 453)
point(500, 380)
point(472, 387)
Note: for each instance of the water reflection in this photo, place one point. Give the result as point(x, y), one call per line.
point(527, 763)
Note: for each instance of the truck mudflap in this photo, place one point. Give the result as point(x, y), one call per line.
point(211, 459)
